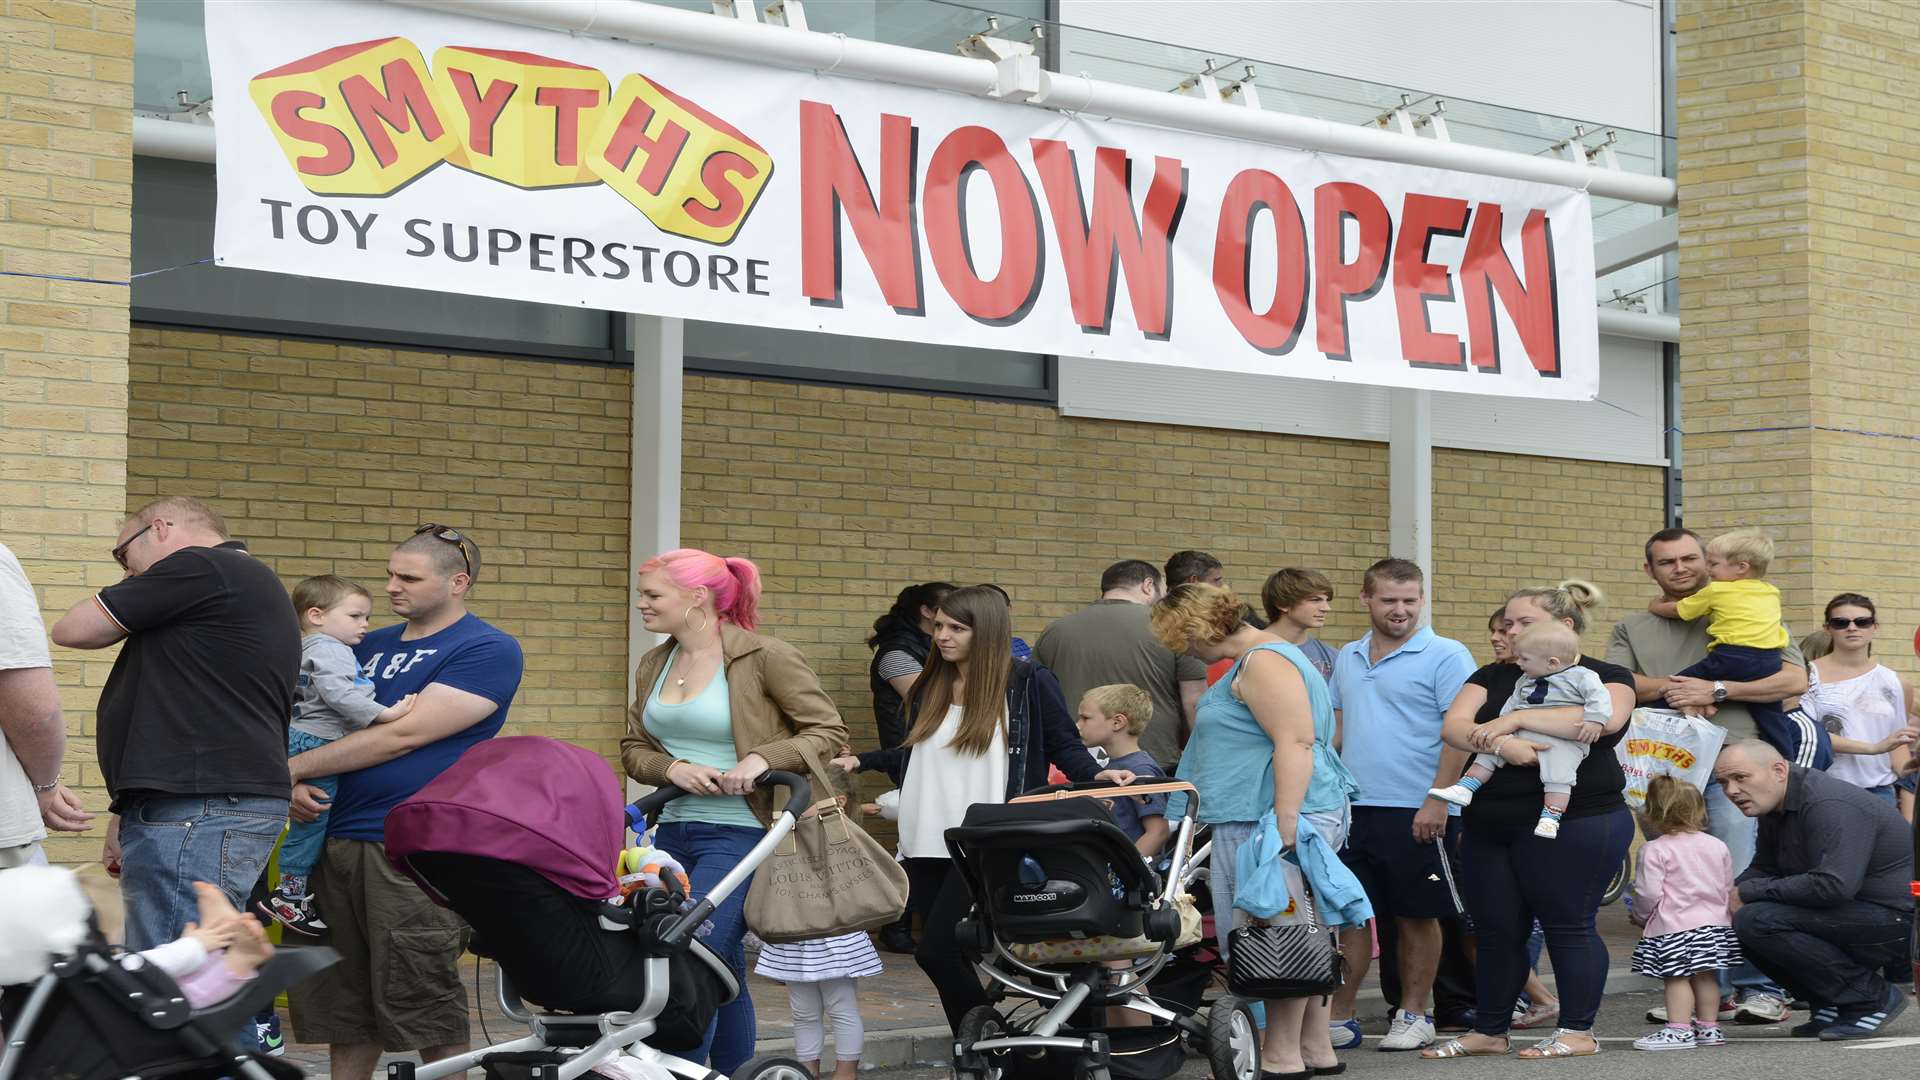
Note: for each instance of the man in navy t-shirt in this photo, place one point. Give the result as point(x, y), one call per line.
point(397, 986)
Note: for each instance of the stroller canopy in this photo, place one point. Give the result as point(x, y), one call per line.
point(550, 806)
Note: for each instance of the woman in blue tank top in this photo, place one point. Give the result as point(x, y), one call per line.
point(1262, 741)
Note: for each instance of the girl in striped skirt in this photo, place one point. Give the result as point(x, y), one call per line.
point(820, 977)
point(1680, 900)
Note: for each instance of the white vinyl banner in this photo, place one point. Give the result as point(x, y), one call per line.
point(396, 146)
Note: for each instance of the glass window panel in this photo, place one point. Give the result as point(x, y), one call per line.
point(173, 204)
point(170, 55)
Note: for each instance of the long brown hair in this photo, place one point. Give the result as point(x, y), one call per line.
point(987, 667)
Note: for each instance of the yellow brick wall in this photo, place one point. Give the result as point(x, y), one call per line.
point(66, 156)
point(844, 496)
point(323, 456)
point(1798, 292)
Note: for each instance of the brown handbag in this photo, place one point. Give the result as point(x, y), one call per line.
point(828, 877)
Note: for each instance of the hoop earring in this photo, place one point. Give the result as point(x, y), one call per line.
point(691, 608)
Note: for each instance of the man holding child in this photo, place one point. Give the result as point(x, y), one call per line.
point(397, 986)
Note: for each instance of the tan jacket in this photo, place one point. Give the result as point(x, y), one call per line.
point(777, 707)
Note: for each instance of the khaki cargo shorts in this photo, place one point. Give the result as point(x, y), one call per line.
point(398, 981)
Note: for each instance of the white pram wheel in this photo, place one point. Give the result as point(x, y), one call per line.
point(1233, 1039)
point(772, 1067)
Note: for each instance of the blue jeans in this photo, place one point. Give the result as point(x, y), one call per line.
point(1885, 793)
point(169, 842)
point(708, 852)
point(1513, 877)
point(301, 849)
point(1740, 833)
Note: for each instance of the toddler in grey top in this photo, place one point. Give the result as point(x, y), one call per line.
point(331, 700)
point(1549, 654)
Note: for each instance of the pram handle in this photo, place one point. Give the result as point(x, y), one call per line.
point(798, 794)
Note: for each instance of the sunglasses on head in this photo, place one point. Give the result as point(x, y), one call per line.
point(441, 532)
point(1864, 622)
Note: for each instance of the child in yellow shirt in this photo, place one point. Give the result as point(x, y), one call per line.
point(1744, 630)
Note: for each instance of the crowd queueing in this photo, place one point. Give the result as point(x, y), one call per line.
point(1482, 808)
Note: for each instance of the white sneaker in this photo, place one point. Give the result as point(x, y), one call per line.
point(1458, 794)
point(1666, 1038)
point(1410, 1031)
point(1548, 829)
point(1761, 1009)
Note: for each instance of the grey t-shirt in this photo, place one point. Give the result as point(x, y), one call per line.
point(23, 644)
point(1659, 648)
point(1110, 641)
point(331, 697)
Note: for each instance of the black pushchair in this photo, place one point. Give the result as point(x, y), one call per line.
point(521, 837)
point(1054, 868)
point(93, 1018)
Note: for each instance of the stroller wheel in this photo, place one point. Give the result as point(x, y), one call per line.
point(1233, 1039)
point(772, 1067)
point(980, 1022)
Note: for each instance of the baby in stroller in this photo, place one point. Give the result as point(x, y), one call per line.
point(522, 837)
point(1058, 893)
point(77, 1008)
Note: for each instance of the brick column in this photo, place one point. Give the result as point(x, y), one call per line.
point(1798, 271)
point(66, 177)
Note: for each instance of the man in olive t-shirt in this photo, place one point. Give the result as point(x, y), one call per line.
point(1110, 641)
point(1655, 649)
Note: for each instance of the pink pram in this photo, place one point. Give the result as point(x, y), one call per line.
point(521, 837)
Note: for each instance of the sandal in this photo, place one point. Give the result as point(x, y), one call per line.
point(1454, 1048)
point(1534, 1016)
point(1556, 1048)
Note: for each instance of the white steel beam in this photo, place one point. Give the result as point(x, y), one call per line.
point(1636, 245)
point(1639, 324)
point(174, 139)
point(692, 31)
point(1410, 482)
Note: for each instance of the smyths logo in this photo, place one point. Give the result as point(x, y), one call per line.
point(370, 118)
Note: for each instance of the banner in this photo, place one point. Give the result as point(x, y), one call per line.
point(396, 146)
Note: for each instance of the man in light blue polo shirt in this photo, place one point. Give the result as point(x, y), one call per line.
point(1391, 689)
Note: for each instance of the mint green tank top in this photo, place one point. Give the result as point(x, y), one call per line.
point(699, 729)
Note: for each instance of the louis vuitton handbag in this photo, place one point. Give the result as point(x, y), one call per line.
point(828, 877)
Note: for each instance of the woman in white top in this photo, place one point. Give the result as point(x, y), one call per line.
point(1865, 704)
point(982, 727)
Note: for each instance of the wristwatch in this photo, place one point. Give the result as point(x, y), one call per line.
point(1719, 692)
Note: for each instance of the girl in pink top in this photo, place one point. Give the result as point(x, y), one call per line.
point(1680, 895)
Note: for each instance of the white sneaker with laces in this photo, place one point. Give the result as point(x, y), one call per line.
point(1458, 794)
point(1761, 1009)
point(1410, 1031)
point(1667, 1038)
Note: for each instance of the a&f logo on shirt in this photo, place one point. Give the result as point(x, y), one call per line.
point(399, 664)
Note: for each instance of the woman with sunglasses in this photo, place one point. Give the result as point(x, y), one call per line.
point(716, 705)
point(1866, 705)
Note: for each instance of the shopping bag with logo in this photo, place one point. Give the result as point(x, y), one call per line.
point(828, 877)
point(1661, 742)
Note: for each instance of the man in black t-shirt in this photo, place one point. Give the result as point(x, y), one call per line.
point(192, 724)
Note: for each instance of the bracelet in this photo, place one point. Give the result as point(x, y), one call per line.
point(1499, 740)
point(42, 789)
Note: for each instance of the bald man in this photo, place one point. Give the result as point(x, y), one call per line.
point(1826, 904)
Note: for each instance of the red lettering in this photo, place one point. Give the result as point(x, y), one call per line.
point(1534, 306)
point(1090, 246)
point(376, 110)
point(1416, 280)
point(729, 203)
point(662, 150)
point(1277, 330)
point(1343, 279)
point(1010, 294)
point(483, 111)
point(566, 103)
point(287, 107)
point(831, 179)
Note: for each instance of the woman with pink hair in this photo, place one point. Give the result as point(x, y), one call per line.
point(716, 706)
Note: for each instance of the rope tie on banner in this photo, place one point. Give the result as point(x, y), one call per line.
point(840, 54)
point(1802, 427)
point(103, 281)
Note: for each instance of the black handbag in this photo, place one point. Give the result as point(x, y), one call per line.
point(1293, 960)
